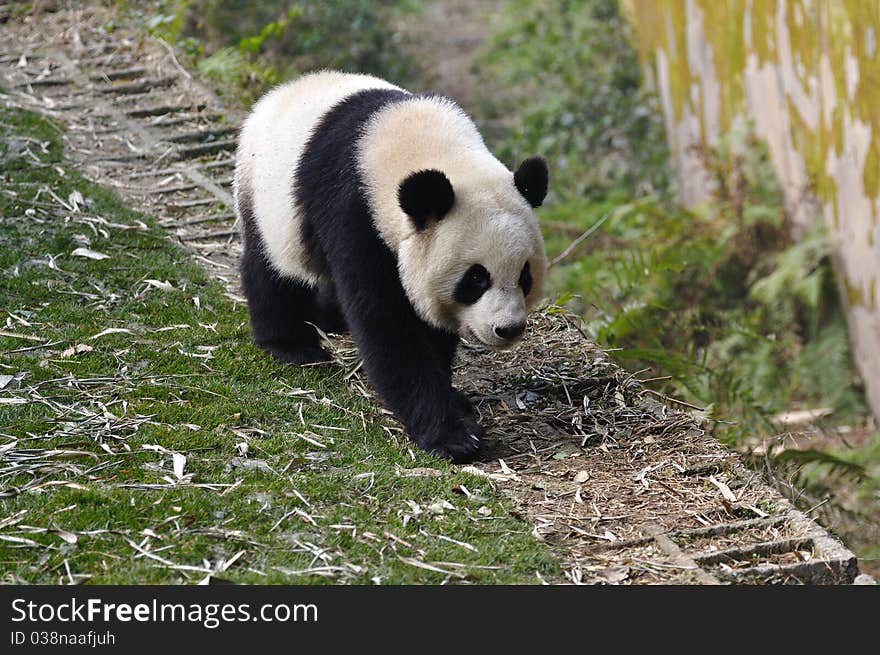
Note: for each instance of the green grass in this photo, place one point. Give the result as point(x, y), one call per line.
point(186, 379)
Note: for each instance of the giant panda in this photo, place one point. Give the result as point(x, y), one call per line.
point(367, 208)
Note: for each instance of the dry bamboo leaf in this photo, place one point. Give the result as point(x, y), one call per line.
point(76, 350)
point(16, 335)
point(250, 464)
point(309, 437)
point(724, 489)
point(420, 472)
point(799, 417)
point(75, 199)
point(440, 507)
point(760, 513)
point(463, 544)
point(473, 470)
point(615, 574)
point(428, 567)
point(88, 253)
point(19, 540)
point(178, 464)
point(162, 285)
point(111, 331)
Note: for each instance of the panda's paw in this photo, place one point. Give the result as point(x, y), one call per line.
point(464, 406)
point(459, 443)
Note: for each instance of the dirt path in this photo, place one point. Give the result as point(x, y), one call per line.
point(446, 39)
point(627, 489)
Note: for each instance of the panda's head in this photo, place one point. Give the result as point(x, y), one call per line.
point(474, 260)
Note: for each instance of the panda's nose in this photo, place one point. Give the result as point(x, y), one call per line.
point(510, 331)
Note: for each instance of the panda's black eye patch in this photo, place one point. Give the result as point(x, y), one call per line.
point(525, 279)
point(473, 284)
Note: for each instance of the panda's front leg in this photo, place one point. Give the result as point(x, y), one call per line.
point(413, 380)
point(407, 362)
point(446, 348)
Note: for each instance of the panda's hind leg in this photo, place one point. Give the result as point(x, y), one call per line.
point(330, 317)
point(281, 310)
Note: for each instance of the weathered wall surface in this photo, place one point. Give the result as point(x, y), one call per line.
point(807, 73)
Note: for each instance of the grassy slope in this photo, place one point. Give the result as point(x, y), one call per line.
point(187, 379)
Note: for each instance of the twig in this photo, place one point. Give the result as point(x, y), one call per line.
point(675, 400)
point(170, 50)
point(583, 237)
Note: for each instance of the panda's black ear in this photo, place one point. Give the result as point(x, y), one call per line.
point(531, 179)
point(425, 195)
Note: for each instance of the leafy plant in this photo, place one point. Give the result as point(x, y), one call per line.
point(247, 47)
point(562, 77)
point(744, 319)
point(720, 302)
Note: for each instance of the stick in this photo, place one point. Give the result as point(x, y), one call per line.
point(574, 244)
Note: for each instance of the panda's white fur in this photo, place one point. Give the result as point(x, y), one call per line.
point(325, 166)
point(270, 145)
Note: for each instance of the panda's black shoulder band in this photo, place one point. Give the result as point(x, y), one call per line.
point(531, 180)
point(425, 195)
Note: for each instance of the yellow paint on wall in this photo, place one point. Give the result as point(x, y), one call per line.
point(846, 31)
point(807, 73)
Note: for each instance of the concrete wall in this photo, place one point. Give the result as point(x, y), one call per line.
point(807, 73)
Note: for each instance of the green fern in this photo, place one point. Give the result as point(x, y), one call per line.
point(744, 319)
point(832, 464)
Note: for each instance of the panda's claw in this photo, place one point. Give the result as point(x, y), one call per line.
point(459, 443)
point(464, 406)
point(458, 453)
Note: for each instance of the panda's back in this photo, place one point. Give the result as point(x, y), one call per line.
point(270, 148)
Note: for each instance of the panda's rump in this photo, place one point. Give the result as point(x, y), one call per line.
point(271, 146)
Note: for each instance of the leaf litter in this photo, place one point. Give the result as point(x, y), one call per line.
point(588, 454)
